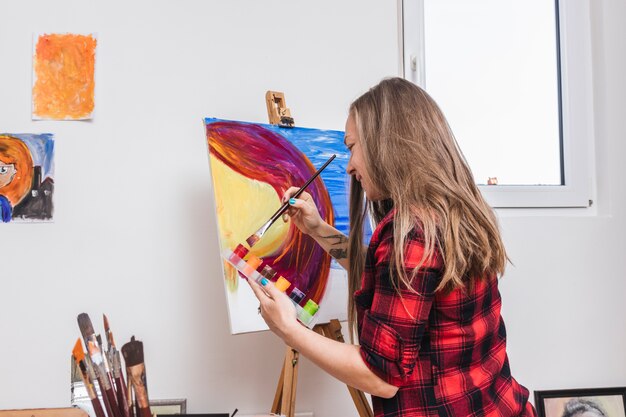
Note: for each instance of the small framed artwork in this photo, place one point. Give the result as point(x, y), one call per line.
point(591, 402)
point(168, 407)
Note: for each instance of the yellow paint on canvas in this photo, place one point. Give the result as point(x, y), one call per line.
point(243, 205)
point(64, 77)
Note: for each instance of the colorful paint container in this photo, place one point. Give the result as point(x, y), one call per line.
point(251, 265)
point(282, 284)
point(296, 295)
point(311, 307)
point(268, 272)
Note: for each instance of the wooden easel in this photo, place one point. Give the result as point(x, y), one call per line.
point(277, 110)
point(285, 398)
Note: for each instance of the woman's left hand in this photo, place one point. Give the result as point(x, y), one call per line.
point(276, 308)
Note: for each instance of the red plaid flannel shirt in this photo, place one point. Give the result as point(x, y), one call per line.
point(445, 351)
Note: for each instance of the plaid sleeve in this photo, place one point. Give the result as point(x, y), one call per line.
point(393, 327)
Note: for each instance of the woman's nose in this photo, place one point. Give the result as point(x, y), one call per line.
point(350, 168)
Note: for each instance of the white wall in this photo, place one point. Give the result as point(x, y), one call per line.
point(134, 210)
point(564, 299)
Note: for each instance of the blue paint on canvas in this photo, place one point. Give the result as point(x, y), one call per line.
point(318, 146)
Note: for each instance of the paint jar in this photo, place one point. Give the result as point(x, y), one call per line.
point(306, 314)
point(241, 250)
point(268, 272)
point(251, 265)
point(296, 295)
point(261, 266)
point(282, 284)
point(311, 307)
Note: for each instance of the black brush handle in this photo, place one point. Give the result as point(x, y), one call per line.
point(285, 206)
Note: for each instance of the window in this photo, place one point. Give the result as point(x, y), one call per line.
point(514, 80)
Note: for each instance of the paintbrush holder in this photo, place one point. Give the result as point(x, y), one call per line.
point(306, 314)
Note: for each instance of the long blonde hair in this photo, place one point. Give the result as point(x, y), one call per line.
point(414, 161)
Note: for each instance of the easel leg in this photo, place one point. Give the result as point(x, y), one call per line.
point(285, 398)
point(279, 392)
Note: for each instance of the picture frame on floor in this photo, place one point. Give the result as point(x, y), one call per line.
point(586, 402)
point(168, 407)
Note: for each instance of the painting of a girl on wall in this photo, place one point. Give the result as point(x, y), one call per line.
point(26, 177)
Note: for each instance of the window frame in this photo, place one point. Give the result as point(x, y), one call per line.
point(576, 106)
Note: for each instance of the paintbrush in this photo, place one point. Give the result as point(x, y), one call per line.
point(116, 368)
point(79, 357)
point(136, 373)
point(106, 361)
point(98, 361)
point(130, 395)
point(252, 240)
point(109, 368)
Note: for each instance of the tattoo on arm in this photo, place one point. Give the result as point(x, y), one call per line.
point(340, 239)
point(338, 253)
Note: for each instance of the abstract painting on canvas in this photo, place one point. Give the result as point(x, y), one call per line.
point(252, 165)
point(63, 77)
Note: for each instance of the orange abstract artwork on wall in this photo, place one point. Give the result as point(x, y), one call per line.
point(63, 76)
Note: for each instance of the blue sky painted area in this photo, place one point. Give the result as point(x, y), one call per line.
point(318, 146)
point(41, 147)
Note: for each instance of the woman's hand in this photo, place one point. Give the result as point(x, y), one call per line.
point(276, 308)
point(303, 211)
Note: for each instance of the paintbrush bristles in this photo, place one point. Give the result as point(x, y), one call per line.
point(252, 240)
point(106, 323)
point(133, 353)
point(84, 323)
point(78, 352)
point(108, 332)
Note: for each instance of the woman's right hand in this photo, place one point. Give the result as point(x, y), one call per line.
point(303, 211)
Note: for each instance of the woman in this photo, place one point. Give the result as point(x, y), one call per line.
point(426, 303)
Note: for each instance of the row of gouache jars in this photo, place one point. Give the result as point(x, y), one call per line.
point(253, 268)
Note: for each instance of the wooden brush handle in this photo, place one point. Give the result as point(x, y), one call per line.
point(97, 407)
point(106, 388)
point(112, 409)
point(137, 376)
point(107, 405)
point(121, 396)
point(144, 412)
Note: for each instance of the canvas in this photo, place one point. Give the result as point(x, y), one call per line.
point(63, 76)
point(26, 177)
point(252, 165)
